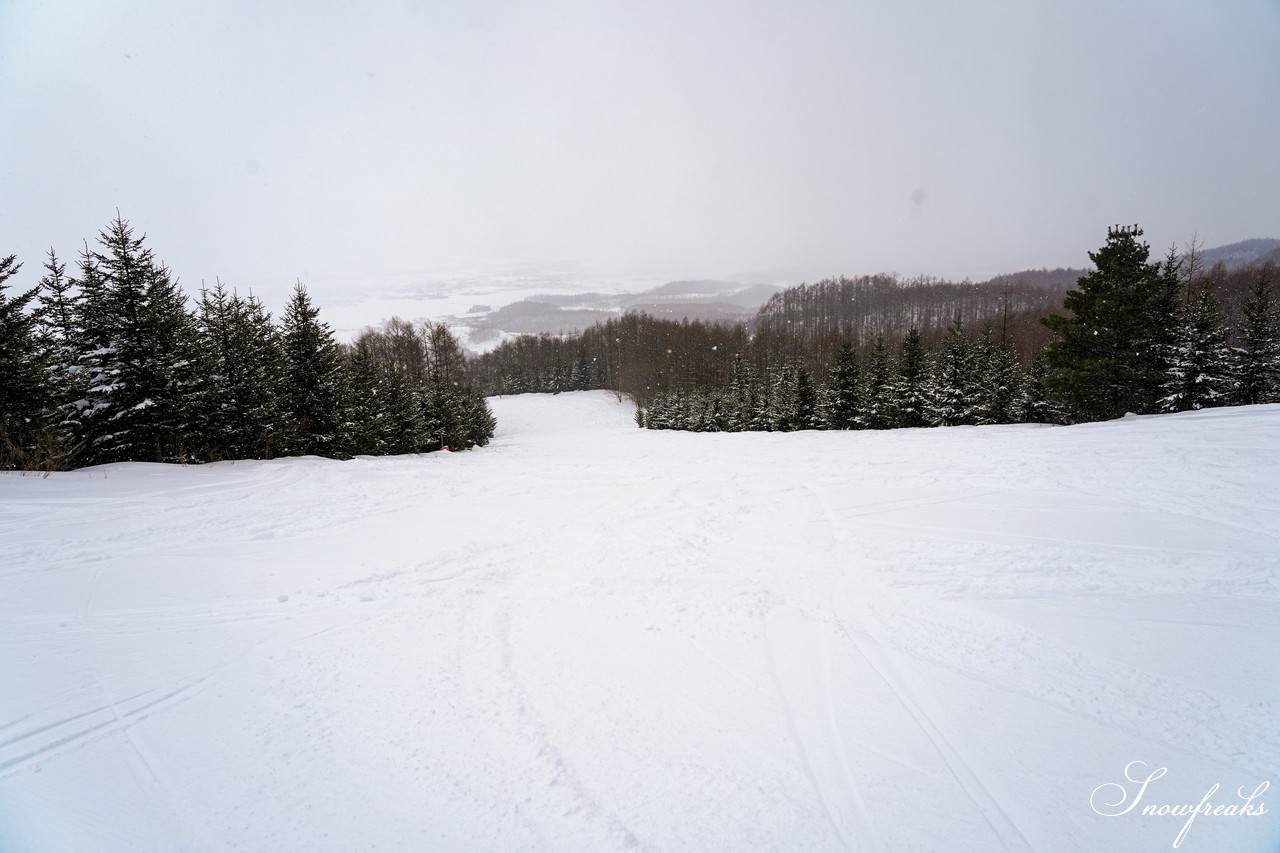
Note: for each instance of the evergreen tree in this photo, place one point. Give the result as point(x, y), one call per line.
point(257, 377)
point(878, 410)
point(999, 381)
point(909, 391)
point(369, 427)
point(404, 415)
point(1163, 321)
point(1199, 373)
point(1258, 361)
point(313, 395)
point(742, 394)
point(580, 374)
point(60, 344)
point(806, 400)
point(842, 403)
point(714, 412)
point(58, 331)
point(479, 419)
point(139, 354)
point(796, 399)
point(23, 394)
point(1101, 357)
point(953, 393)
point(454, 414)
point(241, 384)
point(763, 415)
point(1034, 405)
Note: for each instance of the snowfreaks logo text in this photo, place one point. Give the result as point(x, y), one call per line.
point(1113, 799)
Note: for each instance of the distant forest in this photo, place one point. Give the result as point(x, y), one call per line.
point(882, 351)
point(109, 363)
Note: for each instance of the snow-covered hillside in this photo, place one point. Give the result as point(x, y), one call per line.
point(589, 637)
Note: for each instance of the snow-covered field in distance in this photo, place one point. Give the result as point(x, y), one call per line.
point(591, 637)
point(440, 294)
point(467, 298)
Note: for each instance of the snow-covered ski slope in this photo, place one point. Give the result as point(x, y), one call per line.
point(589, 637)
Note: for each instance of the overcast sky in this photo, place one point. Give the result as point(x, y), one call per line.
point(266, 141)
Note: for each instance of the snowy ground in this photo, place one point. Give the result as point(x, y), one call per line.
point(589, 637)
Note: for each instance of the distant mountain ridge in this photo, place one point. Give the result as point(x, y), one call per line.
point(1236, 255)
point(706, 299)
point(934, 302)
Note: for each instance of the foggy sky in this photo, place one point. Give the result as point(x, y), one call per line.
point(262, 142)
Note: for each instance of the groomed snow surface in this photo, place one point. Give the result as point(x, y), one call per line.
point(589, 637)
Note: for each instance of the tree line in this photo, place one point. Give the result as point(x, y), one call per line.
point(1134, 335)
point(111, 363)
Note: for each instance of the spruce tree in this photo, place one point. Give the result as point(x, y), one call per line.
point(61, 348)
point(878, 410)
point(1199, 372)
point(796, 399)
point(1034, 405)
point(257, 377)
point(842, 403)
point(999, 381)
point(742, 393)
point(58, 331)
point(240, 389)
point(139, 351)
point(479, 419)
point(313, 394)
point(1163, 321)
point(23, 391)
point(454, 414)
point(404, 415)
point(909, 397)
point(715, 412)
point(763, 415)
point(953, 386)
point(368, 427)
point(1101, 356)
point(1258, 361)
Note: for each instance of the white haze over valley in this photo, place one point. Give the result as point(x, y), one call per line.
point(365, 144)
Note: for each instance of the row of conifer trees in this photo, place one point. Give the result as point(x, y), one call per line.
point(110, 364)
point(967, 381)
point(1134, 335)
point(1137, 336)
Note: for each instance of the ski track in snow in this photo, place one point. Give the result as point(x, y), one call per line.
point(592, 637)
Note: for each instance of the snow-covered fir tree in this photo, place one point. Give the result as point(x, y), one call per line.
point(841, 403)
point(313, 397)
point(60, 341)
point(1034, 404)
point(24, 397)
point(369, 425)
point(952, 390)
point(740, 402)
point(1257, 367)
point(241, 382)
point(878, 408)
point(797, 401)
point(1000, 381)
point(909, 393)
point(139, 353)
point(1199, 374)
point(454, 414)
point(1101, 356)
